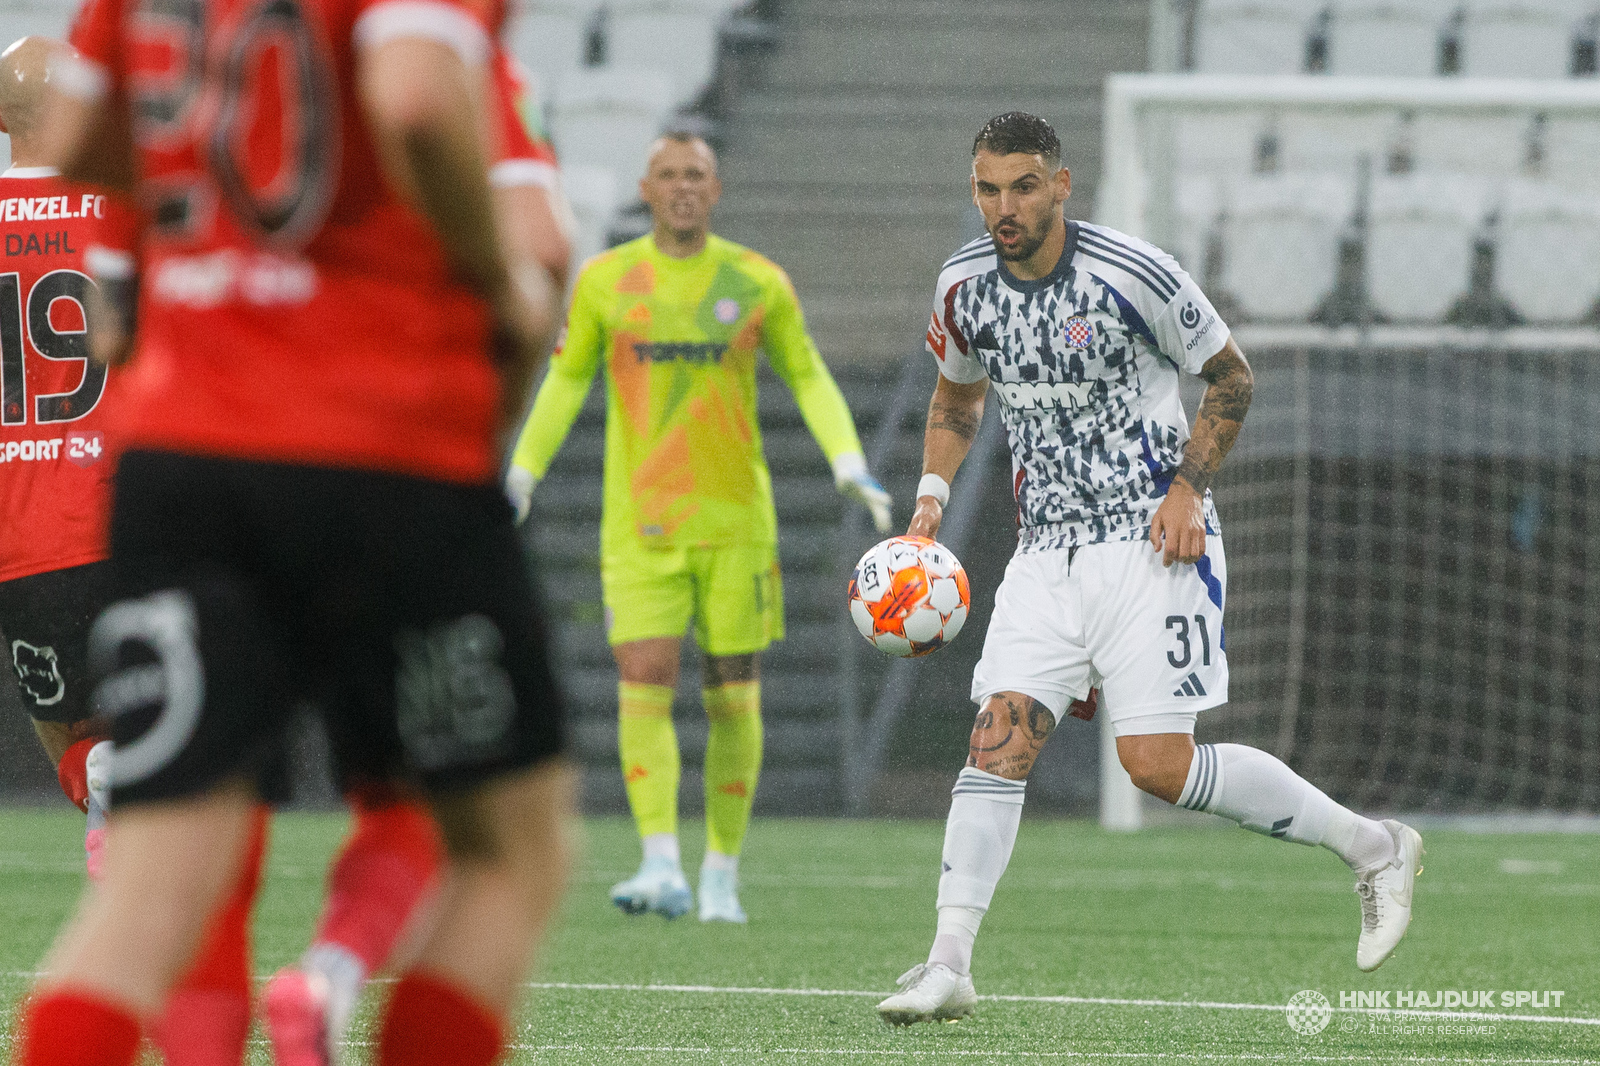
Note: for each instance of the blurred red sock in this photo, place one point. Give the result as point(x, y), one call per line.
point(65, 1027)
point(73, 772)
point(431, 1021)
point(386, 868)
point(206, 1020)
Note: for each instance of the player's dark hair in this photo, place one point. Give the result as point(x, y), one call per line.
point(1018, 131)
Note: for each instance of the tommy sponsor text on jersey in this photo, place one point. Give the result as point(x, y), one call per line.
point(1085, 363)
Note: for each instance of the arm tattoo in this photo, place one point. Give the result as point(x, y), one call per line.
point(954, 420)
point(1216, 425)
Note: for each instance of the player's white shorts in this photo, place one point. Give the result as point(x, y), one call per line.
point(1111, 616)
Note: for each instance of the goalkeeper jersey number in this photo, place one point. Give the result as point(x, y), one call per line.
point(679, 338)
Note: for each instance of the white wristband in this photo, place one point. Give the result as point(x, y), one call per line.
point(935, 486)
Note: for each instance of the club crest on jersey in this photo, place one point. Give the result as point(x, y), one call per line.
point(726, 310)
point(38, 673)
point(1079, 332)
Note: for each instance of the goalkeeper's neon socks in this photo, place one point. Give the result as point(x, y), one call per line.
point(73, 772)
point(433, 1021)
point(648, 747)
point(733, 762)
point(390, 863)
point(76, 1027)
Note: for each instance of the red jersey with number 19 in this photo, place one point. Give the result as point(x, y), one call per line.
point(293, 307)
point(54, 485)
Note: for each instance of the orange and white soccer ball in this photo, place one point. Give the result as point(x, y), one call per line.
point(909, 596)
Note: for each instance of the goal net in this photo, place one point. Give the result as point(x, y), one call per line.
point(1412, 511)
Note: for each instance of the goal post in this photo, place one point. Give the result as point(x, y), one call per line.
point(1412, 512)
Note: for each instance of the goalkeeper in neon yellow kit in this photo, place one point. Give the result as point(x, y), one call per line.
point(689, 529)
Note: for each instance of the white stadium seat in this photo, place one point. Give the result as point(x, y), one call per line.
point(1520, 38)
point(592, 192)
point(679, 36)
point(549, 36)
point(1198, 199)
point(1281, 242)
point(1387, 37)
point(1547, 259)
point(608, 117)
point(1253, 36)
point(1572, 152)
point(1217, 144)
point(1420, 235)
point(1322, 140)
point(1492, 145)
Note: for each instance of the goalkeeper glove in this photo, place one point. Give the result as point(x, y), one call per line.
point(519, 490)
point(851, 477)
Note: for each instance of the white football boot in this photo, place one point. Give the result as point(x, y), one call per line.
point(719, 897)
point(1386, 898)
point(658, 888)
point(929, 993)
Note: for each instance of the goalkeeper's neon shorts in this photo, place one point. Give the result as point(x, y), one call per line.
point(733, 593)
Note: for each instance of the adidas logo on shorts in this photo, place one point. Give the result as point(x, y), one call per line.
point(1191, 687)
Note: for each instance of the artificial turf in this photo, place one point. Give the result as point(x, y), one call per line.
point(1178, 915)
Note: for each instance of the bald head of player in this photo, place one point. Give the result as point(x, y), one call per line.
point(24, 72)
point(680, 186)
point(1019, 184)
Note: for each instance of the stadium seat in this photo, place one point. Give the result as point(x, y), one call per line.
point(1572, 152)
point(1420, 236)
point(1493, 145)
point(1548, 254)
point(1281, 241)
point(1252, 36)
point(1520, 38)
point(675, 35)
point(1224, 144)
point(1325, 140)
point(1387, 37)
point(550, 36)
point(608, 117)
point(1198, 198)
point(592, 192)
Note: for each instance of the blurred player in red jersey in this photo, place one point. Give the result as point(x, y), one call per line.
point(382, 885)
point(55, 494)
point(307, 504)
point(55, 476)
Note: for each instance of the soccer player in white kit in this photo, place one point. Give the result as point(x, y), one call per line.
point(1118, 580)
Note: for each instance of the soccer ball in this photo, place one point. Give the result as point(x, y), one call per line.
point(909, 596)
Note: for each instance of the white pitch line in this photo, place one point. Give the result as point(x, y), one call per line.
point(737, 990)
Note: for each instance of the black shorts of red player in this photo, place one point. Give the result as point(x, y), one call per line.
point(401, 608)
point(44, 621)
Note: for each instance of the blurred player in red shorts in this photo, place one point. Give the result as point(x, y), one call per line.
point(313, 377)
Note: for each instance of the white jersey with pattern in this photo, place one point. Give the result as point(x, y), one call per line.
point(1085, 364)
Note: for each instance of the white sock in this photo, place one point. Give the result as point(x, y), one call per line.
point(345, 975)
point(663, 846)
point(715, 860)
point(978, 838)
point(1259, 792)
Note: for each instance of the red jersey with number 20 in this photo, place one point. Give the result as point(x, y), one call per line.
point(293, 307)
point(55, 478)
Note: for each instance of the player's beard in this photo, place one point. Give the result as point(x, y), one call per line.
point(1031, 241)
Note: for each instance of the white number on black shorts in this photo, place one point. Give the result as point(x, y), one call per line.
point(165, 624)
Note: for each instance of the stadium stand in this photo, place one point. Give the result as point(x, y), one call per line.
point(1253, 36)
point(1387, 37)
point(1420, 242)
point(1549, 252)
point(1274, 220)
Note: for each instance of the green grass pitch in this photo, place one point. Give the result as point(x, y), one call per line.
point(1175, 916)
